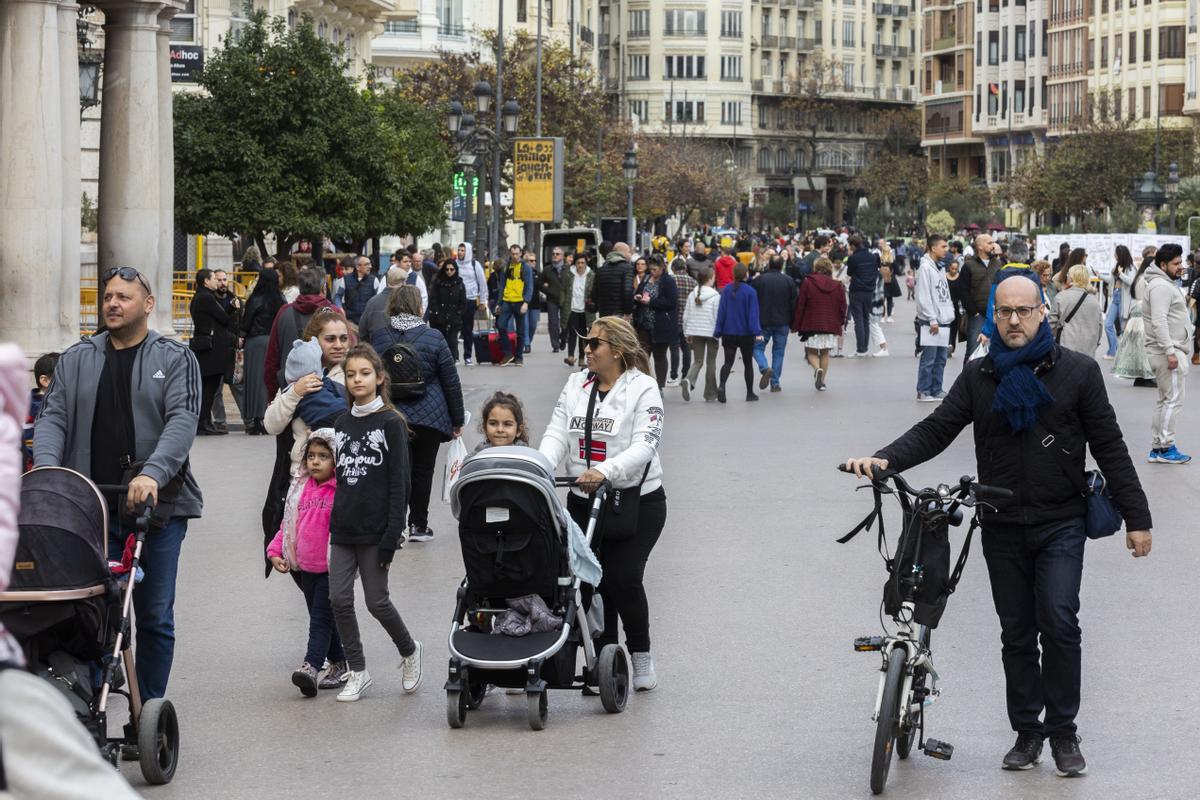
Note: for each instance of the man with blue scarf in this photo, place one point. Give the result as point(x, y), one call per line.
point(1026, 397)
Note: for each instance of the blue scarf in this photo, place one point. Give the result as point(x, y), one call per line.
point(321, 408)
point(1021, 396)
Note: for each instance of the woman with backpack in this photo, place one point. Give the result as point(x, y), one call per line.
point(447, 299)
point(425, 389)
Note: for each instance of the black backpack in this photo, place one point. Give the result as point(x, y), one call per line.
point(403, 363)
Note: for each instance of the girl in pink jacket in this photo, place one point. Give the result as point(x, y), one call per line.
point(301, 549)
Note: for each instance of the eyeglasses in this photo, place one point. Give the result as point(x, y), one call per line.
point(1022, 312)
point(128, 274)
point(593, 342)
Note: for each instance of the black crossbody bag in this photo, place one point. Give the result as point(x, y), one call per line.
point(619, 514)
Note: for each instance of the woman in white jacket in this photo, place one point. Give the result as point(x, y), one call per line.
point(620, 445)
point(699, 323)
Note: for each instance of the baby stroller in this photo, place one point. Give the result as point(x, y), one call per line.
point(73, 618)
point(513, 530)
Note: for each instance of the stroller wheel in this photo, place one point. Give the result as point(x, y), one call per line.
point(456, 708)
point(537, 710)
point(158, 741)
point(612, 672)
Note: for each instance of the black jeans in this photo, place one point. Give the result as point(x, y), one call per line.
point(323, 640)
point(576, 327)
point(680, 350)
point(210, 386)
point(733, 345)
point(860, 312)
point(451, 337)
point(424, 448)
point(1035, 574)
point(659, 353)
point(468, 328)
point(624, 564)
point(554, 318)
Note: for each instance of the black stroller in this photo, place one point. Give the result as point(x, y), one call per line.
point(513, 530)
point(73, 618)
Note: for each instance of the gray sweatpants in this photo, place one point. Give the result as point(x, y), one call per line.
point(345, 561)
point(1171, 386)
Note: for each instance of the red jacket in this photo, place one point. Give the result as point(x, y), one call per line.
point(821, 307)
point(723, 272)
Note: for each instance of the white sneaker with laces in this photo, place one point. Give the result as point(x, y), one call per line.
point(355, 686)
point(644, 678)
point(412, 670)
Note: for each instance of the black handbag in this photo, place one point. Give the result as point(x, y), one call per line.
point(619, 512)
point(1103, 519)
point(201, 343)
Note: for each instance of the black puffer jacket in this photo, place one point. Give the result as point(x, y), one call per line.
point(612, 291)
point(1043, 493)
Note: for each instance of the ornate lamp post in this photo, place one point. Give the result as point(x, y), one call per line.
point(1149, 197)
point(475, 142)
point(89, 62)
point(1173, 191)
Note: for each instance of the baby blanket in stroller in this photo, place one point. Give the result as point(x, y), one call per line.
point(583, 561)
point(526, 615)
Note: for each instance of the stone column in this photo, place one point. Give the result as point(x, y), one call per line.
point(68, 279)
point(130, 145)
point(164, 280)
point(31, 174)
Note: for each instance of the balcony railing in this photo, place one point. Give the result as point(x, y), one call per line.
point(731, 33)
point(787, 42)
point(889, 50)
point(1018, 119)
point(806, 44)
point(456, 31)
point(586, 35)
point(682, 32)
point(943, 42)
point(638, 34)
point(612, 84)
point(770, 2)
point(804, 3)
point(770, 42)
point(604, 39)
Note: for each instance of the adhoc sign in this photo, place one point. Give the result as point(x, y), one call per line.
point(187, 60)
point(538, 180)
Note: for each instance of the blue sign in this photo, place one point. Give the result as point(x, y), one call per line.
point(458, 208)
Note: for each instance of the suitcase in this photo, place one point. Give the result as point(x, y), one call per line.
point(479, 346)
point(486, 343)
point(494, 346)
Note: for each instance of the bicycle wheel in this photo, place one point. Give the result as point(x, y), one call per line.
point(905, 739)
point(886, 728)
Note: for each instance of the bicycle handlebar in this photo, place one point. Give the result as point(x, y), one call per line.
point(966, 483)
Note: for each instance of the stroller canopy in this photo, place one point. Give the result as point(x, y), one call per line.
point(63, 532)
point(521, 464)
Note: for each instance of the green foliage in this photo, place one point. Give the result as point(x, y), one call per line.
point(282, 141)
point(88, 215)
point(941, 222)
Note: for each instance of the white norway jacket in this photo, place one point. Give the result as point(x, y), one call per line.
point(626, 430)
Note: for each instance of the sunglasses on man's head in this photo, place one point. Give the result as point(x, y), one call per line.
point(128, 274)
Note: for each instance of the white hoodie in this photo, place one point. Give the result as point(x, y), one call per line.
point(701, 320)
point(626, 429)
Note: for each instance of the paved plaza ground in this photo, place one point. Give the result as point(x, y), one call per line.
point(754, 608)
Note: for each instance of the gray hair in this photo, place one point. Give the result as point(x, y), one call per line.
point(312, 281)
point(1018, 251)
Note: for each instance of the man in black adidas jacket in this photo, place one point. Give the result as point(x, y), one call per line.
point(1033, 543)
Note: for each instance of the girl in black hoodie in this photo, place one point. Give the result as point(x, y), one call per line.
point(372, 464)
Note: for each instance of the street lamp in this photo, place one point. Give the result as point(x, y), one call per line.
point(475, 142)
point(89, 62)
point(1173, 190)
point(629, 165)
point(1149, 197)
point(483, 98)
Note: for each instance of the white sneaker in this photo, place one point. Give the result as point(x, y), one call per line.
point(672, 381)
point(412, 670)
point(355, 686)
point(881, 354)
point(644, 678)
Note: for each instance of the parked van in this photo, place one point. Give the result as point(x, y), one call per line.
point(572, 241)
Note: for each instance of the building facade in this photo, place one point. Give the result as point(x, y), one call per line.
point(730, 71)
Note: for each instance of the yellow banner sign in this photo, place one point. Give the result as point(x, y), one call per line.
point(537, 180)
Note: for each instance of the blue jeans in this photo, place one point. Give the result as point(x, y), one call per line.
point(1110, 320)
point(931, 369)
point(531, 322)
point(1035, 574)
point(506, 314)
point(154, 601)
point(777, 336)
point(323, 639)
